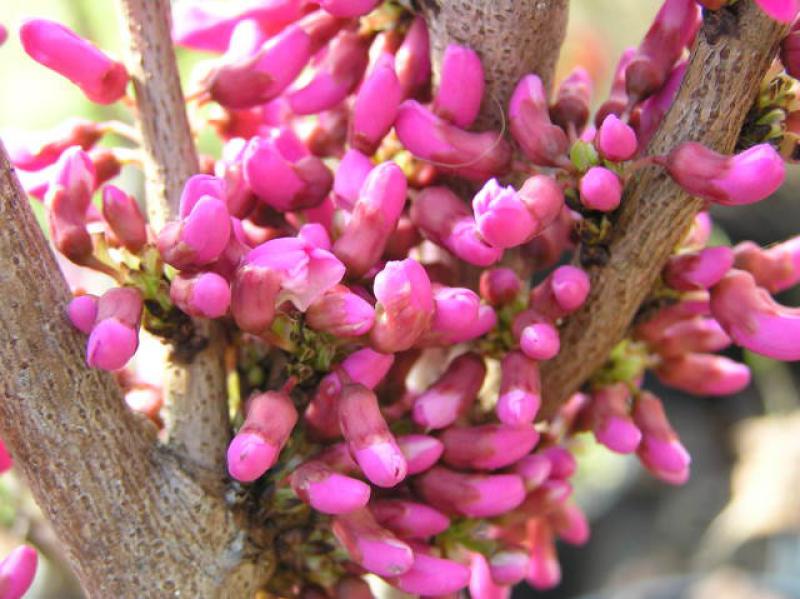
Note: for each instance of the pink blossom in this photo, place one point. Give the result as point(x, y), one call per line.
point(488, 446)
point(461, 85)
point(207, 294)
point(661, 451)
point(372, 547)
point(541, 141)
point(601, 189)
point(375, 106)
point(616, 140)
point(571, 108)
point(17, 571)
point(452, 394)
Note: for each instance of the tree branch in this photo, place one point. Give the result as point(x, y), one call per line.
point(731, 56)
point(195, 393)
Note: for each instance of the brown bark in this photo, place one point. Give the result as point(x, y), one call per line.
point(733, 51)
point(195, 391)
point(133, 523)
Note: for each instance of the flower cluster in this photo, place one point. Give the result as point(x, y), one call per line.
point(361, 234)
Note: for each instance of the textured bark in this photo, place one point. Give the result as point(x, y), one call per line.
point(733, 51)
point(195, 392)
point(513, 38)
point(133, 523)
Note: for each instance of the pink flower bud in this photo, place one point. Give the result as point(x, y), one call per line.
point(35, 152)
point(618, 97)
point(257, 79)
point(283, 173)
point(124, 218)
point(502, 217)
point(405, 306)
point(17, 571)
point(474, 156)
point(102, 79)
point(481, 584)
point(487, 447)
point(571, 525)
point(509, 567)
point(540, 341)
point(562, 462)
point(342, 313)
point(600, 189)
point(544, 570)
point(348, 8)
point(754, 319)
point(459, 317)
point(375, 106)
point(615, 140)
point(500, 286)
point(82, 312)
point(461, 85)
point(661, 451)
point(748, 177)
point(350, 176)
point(380, 202)
point(701, 270)
point(421, 451)
point(452, 394)
point(430, 575)
point(372, 444)
point(195, 188)
point(6, 462)
point(534, 470)
point(413, 59)
point(316, 235)
point(609, 417)
point(409, 520)
point(704, 374)
point(68, 198)
point(327, 491)
point(541, 141)
point(111, 344)
point(776, 268)
point(696, 304)
point(471, 495)
point(691, 335)
point(546, 498)
point(561, 293)
point(205, 295)
point(336, 75)
point(520, 390)
point(571, 109)
point(674, 26)
point(367, 367)
point(254, 292)
point(199, 238)
point(444, 219)
point(370, 546)
point(270, 418)
point(784, 11)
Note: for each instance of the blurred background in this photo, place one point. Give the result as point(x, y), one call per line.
point(730, 533)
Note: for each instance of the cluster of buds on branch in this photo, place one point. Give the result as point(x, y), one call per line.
point(360, 234)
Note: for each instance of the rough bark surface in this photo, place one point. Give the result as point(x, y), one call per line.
point(195, 391)
point(732, 53)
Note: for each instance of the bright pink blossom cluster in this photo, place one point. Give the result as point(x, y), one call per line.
point(330, 231)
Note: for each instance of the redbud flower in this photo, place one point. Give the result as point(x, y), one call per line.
point(68, 198)
point(748, 177)
point(520, 390)
point(370, 546)
point(661, 451)
point(206, 295)
point(17, 571)
point(461, 85)
point(375, 107)
point(315, 235)
point(115, 336)
point(471, 495)
point(409, 520)
point(600, 189)
point(444, 219)
point(701, 270)
point(431, 575)
point(254, 293)
point(102, 79)
point(704, 374)
point(487, 447)
point(270, 418)
point(544, 570)
point(421, 451)
point(328, 491)
point(413, 58)
point(283, 173)
point(459, 317)
point(753, 319)
point(199, 238)
point(534, 469)
point(499, 286)
point(618, 97)
point(540, 341)
point(35, 152)
point(474, 156)
point(616, 140)
point(6, 462)
point(570, 524)
point(509, 567)
point(775, 268)
point(698, 334)
point(673, 28)
point(541, 141)
point(481, 583)
point(372, 444)
point(350, 176)
point(452, 394)
point(82, 312)
point(562, 462)
point(610, 420)
point(405, 306)
point(780, 10)
point(348, 8)
point(571, 108)
point(561, 293)
point(342, 313)
point(380, 202)
point(124, 218)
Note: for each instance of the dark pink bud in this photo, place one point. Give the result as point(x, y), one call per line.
point(700, 270)
point(421, 451)
point(199, 238)
point(489, 446)
point(534, 470)
point(481, 584)
point(696, 304)
point(753, 319)
point(409, 520)
point(431, 575)
point(342, 313)
point(459, 317)
point(618, 97)
point(704, 374)
point(609, 417)
point(124, 218)
point(601, 189)
point(541, 141)
point(562, 462)
point(571, 109)
point(775, 268)
point(370, 546)
point(474, 156)
point(691, 335)
point(661, 451)
point(283, 173)
point(500, 286)
point(270, 418)
point(82, 312)
point(452, 394)
point(544, 571)
point(405, 306)
point(17, 571)
point(372, 444)
point(748, 177)
point(375, 106)
point(328, 491)
point(350, 176)
point(461, 85)
point(102, 79)
point(509, 567)
point(413, 59)
point(570, 524)
point(561, 293)
point(196, 187)
point(471, 495)
point(616, 140)
point(784, 11)
point(35, 152)
point(205, 295)
point(111, 344)
point(652, 111)
point(540, 341)
point(68, 197)
point(348, 8)
point(254, 292)
point(520, 390)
